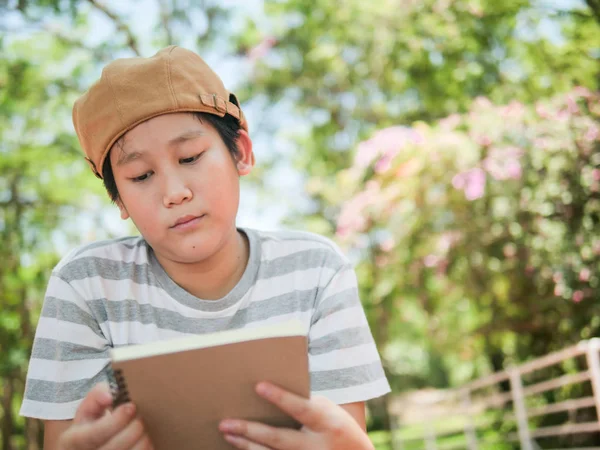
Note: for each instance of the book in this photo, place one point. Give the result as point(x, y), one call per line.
point(183, 388)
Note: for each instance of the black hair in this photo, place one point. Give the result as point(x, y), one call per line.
point(228, 128)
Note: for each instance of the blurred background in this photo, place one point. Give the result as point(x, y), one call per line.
point(451, 147)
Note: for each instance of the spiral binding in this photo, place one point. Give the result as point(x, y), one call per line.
point(118, 387)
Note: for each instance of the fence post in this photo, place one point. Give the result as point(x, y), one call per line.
point(430, 439)
point(516, 388)
point(593, 362)
point(395, 438)
point(469, 428)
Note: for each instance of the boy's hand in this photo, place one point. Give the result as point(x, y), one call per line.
point(325, 426)
point(96, 427)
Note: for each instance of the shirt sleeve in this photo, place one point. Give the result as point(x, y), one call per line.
point(344, 363)
point(70, 355)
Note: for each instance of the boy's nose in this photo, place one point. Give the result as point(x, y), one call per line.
point(176, 192)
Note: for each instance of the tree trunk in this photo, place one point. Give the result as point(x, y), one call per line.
point(7, 419)
point(33, 434)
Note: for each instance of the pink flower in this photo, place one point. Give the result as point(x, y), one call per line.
point(542, 111)
point(578, 296)
point(572, 105)
point(504, 164)
point(581, 91)
point(387, 245)
point(472, 182)
point(514, 109)
point(386, 143)
point(558, 290)
point(352, 217)
point(451, 122)
point(592, 133)
point(261, 50)
point(430, 260)
point(584, 274)
point(484, 141)
point(483, 102)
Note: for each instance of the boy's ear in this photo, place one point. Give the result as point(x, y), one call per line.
point(245, 160)
point(124, 213)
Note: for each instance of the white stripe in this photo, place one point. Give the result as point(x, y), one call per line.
point(304, 317)
point(342, 281)
point(131, 333)
point(49, 411)
point(277, 249)
point(344, 358)
point(63, 371)
point(286, 284)
point(358, 393)
point(340, 320)
point(51, 328)
point(59, 288)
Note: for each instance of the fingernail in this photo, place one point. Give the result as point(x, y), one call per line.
point(264, 389)
point(129, 409)
point(235, 440)
point(228, 426)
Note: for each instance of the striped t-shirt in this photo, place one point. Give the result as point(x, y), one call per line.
point(115, 293)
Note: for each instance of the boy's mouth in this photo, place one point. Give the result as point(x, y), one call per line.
point(186, 221)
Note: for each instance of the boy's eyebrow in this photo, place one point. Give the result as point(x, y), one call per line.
point(126, 158)
point(186, 136)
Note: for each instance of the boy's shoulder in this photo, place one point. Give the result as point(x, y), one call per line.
point(127, 250)
point(281, 243)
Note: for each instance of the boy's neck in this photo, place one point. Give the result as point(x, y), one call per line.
point(215, 278)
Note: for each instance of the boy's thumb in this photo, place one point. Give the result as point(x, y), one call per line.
point(95, 404)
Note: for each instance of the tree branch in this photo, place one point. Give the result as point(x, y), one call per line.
point(121, 26)
point(594, 6)
point(164, 18)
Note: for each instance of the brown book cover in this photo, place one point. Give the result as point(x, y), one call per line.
point(183, 388)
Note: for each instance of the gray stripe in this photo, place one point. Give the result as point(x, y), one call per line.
point(91, 266)
point(53, 392)
point(347, 298)
point(136, 241)
point(131, 310)
point(350, 337)
point(302, 260)
point(291, 235)
point(66, 351)
point(56, 308)
point(345, 378)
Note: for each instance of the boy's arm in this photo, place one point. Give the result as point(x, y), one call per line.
point(53, 429)
point(357, 410)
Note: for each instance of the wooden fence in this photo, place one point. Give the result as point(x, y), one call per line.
point(458, 419)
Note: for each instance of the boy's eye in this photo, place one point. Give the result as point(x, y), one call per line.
point(190, 160)
point(143, 177)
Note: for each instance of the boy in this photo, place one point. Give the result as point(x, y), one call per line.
point(170, 144)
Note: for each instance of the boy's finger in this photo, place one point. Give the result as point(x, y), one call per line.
point(243, 443)
point(95, 404)
point(297, 407)
point(96, 434)
point(127, 438)
point(272, 437)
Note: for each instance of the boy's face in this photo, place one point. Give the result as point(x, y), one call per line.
point(179, 184)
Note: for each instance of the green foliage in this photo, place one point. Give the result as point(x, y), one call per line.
point(351, 67)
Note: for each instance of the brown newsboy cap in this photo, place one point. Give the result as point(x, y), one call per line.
point(132, 90)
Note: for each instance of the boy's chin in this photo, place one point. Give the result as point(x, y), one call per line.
point(186, 253)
